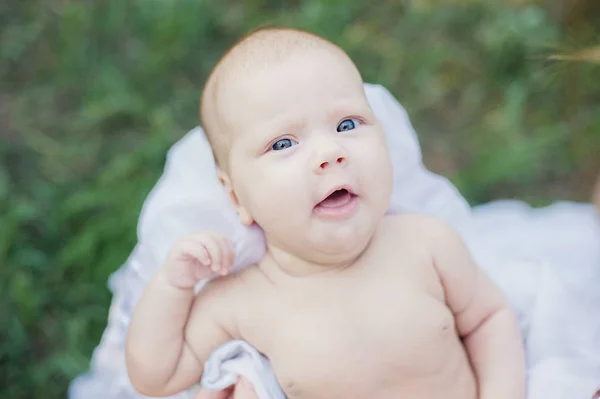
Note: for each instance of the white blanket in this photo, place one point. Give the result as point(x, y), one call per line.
point(547, 261)
point(558, 299)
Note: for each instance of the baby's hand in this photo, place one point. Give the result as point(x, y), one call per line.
point(196, 256)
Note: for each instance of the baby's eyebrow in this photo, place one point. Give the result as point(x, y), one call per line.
point(283, 124)
point(274, 128)
point(293, 126)
point(349, 110)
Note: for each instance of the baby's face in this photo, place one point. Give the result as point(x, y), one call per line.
point(308, 160)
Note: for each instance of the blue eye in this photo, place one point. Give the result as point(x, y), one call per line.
point(347, 124)
point(282, 144)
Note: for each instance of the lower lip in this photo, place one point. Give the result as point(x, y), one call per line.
point(339, 212)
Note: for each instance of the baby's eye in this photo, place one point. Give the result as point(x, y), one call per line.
point(348, 124)
point(282, 144)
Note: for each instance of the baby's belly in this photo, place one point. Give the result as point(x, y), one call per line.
point(373, 380)
point(415, 354)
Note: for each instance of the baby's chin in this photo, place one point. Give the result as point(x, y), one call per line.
point(345, 240)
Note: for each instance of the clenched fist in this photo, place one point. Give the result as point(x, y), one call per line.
point(196, 257)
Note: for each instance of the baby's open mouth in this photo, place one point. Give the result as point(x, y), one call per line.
point(337, 199)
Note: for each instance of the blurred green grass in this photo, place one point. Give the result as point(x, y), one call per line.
point(93, 93)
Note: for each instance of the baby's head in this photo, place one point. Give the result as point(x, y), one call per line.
point(298, 147)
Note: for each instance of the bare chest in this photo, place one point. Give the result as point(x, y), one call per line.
point(381, 331)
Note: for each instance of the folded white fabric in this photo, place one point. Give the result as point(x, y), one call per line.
point(237, 358)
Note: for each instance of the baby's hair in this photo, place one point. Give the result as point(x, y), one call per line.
point(259, 48)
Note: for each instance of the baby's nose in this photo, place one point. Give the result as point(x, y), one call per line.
point(332, 159)
point(328, 153)
point(338, 160)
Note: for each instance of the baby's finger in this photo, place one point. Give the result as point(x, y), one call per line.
point(229, 254)
point(196, 251)
point(244, 390)
point(225, 255)
point(199, 261)
point(214, 251)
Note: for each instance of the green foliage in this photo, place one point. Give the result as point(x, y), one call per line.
point(92, 94)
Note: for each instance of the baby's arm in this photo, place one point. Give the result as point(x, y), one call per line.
point(161, 361)
point(484, 320)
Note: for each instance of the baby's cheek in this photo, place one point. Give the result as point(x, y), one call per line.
point(270, 201)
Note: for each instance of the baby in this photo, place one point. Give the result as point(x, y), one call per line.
point(347, 302)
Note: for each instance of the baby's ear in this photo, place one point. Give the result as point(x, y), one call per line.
point(242, 212)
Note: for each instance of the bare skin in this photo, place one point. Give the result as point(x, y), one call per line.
point(379, 328)
point(347, 303)
point(390, 325)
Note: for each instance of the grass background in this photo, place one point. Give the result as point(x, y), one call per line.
point(93, 93)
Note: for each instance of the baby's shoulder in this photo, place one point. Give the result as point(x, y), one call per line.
point(424, 232)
